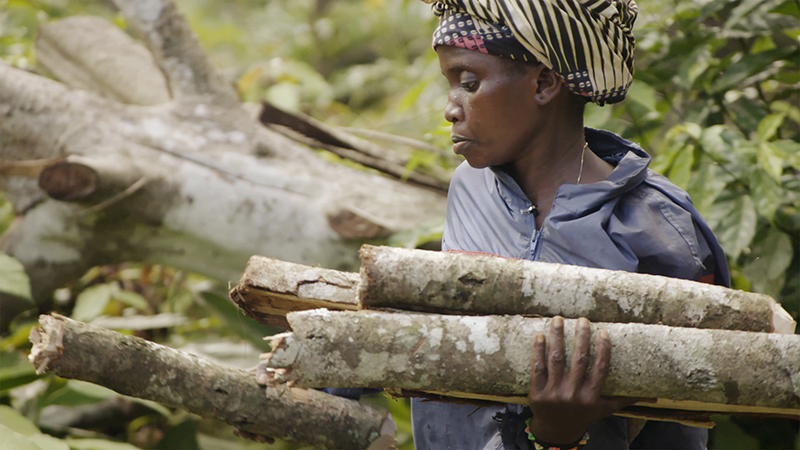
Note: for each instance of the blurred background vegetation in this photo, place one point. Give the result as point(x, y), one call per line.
point(715, 101)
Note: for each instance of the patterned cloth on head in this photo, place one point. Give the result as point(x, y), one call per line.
point(588, 42)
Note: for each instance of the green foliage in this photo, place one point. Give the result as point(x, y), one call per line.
point(13, 279)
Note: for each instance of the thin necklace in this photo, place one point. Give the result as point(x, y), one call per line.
point(583, 153)
point(534, 208)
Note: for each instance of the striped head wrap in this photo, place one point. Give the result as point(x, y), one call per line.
point(588, 42)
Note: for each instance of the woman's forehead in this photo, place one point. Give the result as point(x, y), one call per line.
point(455, 58)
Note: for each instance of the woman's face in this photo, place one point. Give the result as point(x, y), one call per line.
point(490, 104)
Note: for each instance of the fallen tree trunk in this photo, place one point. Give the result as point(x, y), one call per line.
point(135, 367)
point(489, 357)
point(189, 168)
point(429, 281)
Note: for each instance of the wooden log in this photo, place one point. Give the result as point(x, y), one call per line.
point(135, 367)
point(429, 281)
point(269, 288)
point(488, 358)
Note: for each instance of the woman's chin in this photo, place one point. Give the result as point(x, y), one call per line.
point(476, 163)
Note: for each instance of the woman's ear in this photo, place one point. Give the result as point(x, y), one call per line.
point(548, 85)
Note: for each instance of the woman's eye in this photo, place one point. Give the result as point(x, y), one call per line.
point(470, 86)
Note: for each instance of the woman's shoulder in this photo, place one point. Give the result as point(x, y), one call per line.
point(659, 223)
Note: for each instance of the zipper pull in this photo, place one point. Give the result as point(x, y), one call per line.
point(532, 210)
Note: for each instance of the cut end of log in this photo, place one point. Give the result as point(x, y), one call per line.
point(47, 342)
point(782, 321)
point(68, 181)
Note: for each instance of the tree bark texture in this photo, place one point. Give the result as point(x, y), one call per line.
point(489, 357)
point(429, 281)
point(270, 288)
point(198, 183)
point(139, 368)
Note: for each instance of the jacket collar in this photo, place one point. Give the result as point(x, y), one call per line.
point(630, 169)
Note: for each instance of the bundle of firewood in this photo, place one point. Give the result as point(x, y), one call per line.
point(460, 327)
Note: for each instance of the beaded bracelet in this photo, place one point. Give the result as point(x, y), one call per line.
point(540, 445)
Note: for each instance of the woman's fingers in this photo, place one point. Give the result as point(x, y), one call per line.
point(557, 355)
point(580, 352)
point(602, 357)
point(538, 365)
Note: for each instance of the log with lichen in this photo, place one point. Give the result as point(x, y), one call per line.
point(488, 358)
point(135, 367)
point(429, 281)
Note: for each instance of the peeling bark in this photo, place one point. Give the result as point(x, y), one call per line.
point(135, 367)
point(269, 288)
point(451, 283)
point(488, 358)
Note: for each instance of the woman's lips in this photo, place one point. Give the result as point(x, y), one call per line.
point(459, 142)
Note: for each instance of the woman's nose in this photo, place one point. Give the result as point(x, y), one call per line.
point(453, 112)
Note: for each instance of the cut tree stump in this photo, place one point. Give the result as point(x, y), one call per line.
point(488, 358)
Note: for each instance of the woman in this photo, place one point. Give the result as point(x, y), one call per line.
point(537, 185)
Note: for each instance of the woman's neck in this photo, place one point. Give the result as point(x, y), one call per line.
point(556, 159)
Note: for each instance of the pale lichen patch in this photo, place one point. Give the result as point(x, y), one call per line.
point(479, 336)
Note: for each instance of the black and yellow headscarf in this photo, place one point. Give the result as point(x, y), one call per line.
point(588, 42)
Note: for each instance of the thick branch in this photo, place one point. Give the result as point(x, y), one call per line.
point(269, 288)
point(488, 358)
point(135, 367)
point(441, 282)
point(176, 48)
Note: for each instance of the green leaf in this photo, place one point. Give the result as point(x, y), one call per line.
point(734, 223)
point(681, 171)
point(76, 393)
point(789, 151)
point(747, 66)
point(768, 126)
point(763, 43)
point(132, 299)
point(641, 93)
point(91, 302)
point(767, 194)
point(713, 142)
point(15, 370)
point(47, 442)
point(706, 186)
point(12, 419)
point(770, 161)
point(594, 116)
point(13, 279)
point(11, 440)
point(772, 256)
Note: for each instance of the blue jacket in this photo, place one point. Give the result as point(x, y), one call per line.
point(635, 220)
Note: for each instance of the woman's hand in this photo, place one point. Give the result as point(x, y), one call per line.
point(564, 404)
